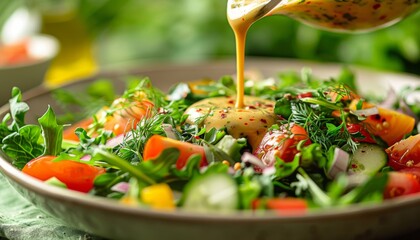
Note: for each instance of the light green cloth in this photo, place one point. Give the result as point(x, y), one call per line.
point(20, 220)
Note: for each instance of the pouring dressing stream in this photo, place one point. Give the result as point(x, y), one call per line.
point(336, 15)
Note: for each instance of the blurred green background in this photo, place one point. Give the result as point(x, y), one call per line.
point(189, 30)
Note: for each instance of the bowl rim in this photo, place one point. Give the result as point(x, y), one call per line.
point(101, 203)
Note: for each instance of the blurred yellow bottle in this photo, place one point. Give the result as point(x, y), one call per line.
point(76, 58)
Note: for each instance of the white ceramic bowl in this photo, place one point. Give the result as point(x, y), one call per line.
point(42, 48)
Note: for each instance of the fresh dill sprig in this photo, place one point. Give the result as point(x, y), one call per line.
point(144, 85)
point(322, 128)
point(134, 142)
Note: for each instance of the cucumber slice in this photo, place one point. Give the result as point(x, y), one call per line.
point(215, 192)
point(368, 159)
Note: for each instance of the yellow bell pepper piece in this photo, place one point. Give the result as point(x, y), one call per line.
point(158, 196)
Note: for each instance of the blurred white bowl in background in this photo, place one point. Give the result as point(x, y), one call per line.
point(41, 49)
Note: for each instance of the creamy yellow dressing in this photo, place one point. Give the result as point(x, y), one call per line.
point(348, 15)
point(250, 122)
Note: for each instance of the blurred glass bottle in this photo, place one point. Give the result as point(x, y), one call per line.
point(76, 58)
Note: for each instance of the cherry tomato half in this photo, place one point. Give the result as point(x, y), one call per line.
point(281, 143)
point(401, 184)
point(76, 175)
point(405, 153)
point(413, 171)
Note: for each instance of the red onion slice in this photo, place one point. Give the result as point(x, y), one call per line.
point(250, 158)
point(169, 131)
point(339, 164)
point(86, 158)
point(121, 187)
point(366, 112)
point(113, 142)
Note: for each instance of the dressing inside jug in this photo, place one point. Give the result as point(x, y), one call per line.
point(335, 15)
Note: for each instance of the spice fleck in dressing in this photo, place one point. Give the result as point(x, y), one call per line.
point(251, 121)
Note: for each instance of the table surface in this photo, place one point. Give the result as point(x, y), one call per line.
point(20, 220)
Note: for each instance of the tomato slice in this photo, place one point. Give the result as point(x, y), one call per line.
point(283, 206)
point(388, 124)
point(76, 175)
point(413, 171)
point(281, 143)
point(405, 153)
point(156, 144)
point(401, 184)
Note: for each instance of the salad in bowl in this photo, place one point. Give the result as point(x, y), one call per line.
point(300, 144)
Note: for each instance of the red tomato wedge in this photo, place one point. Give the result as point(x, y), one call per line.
point(76, 175)
point(156, 144)
point(413, 171)
point(359, 133)
point(388, 124)
point(121, 117)
point(405, 153)
point(281, 143)
point(401, 184)
point(283, 206)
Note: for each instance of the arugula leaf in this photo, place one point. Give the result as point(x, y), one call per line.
point(214, 135)
point(52, 133)
point(160, 167)
point(338, 187)
point(86, 141)
point(191, 169)
point(23, 145)
point(74, 156)
point(18, 109)
point(20, 142)
point(4, 127)
point(104, 183)
point(232, 147)
point(249, 189)
point(122, 164)
point(313, 155)
point(215, 154)
point(370, 191)
point(306, 183)
point(285, 169)
point(217, 167)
